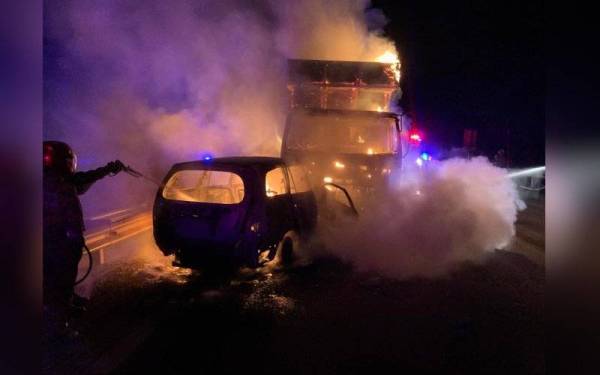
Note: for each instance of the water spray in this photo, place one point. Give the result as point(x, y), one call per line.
point(532, 173)
point(527, 172)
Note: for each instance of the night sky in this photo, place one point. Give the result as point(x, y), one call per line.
point(476, 65)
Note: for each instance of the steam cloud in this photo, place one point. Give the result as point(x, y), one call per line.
point(154, 82)
point(460, 210)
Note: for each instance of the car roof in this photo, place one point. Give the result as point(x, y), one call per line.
point(265, 162)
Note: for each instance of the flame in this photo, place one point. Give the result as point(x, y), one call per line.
point(391, 57)
point(270, 193)
point(388, 57)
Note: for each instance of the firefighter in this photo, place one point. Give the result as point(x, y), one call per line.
point(64, 227)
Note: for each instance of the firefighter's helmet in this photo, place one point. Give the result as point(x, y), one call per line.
point(59, 157)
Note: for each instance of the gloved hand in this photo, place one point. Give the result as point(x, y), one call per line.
point(115, 167)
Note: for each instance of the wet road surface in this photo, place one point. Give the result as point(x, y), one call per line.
point(146, 316)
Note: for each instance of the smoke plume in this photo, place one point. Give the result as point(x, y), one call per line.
point(332, 30)
point(459, 210)
point(157, 82)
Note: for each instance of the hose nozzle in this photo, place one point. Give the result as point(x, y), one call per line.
point(132, 171)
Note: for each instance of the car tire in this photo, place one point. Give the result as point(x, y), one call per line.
point(288, 249)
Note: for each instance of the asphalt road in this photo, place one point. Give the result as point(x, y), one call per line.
point(146, 316)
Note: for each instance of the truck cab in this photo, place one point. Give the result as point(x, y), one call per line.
point(356, 149)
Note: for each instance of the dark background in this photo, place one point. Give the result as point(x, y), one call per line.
point(476, 65)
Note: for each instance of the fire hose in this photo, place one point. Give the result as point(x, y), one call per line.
point(89, 270)
point(132, 172)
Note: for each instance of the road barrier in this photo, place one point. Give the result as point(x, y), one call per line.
point(116, 226)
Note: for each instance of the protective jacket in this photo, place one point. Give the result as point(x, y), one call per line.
point(62, 209)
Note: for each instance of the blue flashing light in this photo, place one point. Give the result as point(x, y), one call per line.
point(425, 156)
point(207, 157)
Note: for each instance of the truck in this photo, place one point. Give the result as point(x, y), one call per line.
point(340, 125)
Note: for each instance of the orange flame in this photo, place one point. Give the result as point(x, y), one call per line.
point(391, 57)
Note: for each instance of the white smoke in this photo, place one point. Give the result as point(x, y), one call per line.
point(332, 30)
point(154, 82)
point(459, 210)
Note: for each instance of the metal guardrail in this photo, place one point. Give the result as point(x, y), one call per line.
point(117, 215)
point(117, 226)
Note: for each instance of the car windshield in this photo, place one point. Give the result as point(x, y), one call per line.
point(342, 133)
point(205, 186)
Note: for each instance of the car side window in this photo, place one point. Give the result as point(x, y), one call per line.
point(275, 183)
point(298, 179)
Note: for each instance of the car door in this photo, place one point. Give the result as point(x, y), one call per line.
point(303, 198)
point(278, 205)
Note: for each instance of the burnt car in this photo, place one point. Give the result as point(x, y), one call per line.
point(233, 209)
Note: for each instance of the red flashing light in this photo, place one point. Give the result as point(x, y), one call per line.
point(415, 137)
